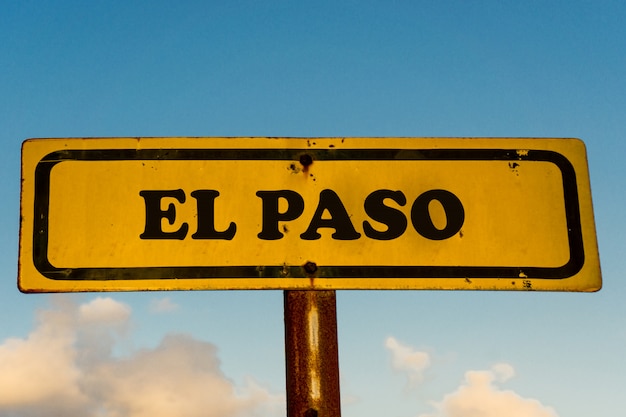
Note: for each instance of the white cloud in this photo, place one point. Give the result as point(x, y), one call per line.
point(408, 360)
point(479, 396)
point(163, 305)
point(104, 310)
point(181, 376)
point(65, 368)
point(42, 369)
point(502, 372)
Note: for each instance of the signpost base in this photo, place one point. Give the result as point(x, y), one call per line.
point(311, 353)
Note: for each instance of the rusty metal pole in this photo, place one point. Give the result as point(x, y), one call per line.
point(311, 352)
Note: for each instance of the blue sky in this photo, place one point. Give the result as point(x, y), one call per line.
point(367, 68)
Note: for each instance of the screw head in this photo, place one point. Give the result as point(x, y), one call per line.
point(306, 160)
point(310, 267)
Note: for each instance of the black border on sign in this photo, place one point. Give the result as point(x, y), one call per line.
point(42, 196)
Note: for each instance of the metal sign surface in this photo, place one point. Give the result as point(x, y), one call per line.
point(123, 214)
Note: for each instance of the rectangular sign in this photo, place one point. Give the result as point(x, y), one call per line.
point(124, 214)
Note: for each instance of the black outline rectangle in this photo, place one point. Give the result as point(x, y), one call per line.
point(42, 195)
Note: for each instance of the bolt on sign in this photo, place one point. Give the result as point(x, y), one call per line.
point(123, 214)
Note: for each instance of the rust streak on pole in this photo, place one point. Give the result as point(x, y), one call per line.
point(311, 352)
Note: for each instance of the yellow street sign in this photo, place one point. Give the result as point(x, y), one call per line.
point(124, 214)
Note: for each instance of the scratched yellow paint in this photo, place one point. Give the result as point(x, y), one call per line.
point(527, 209)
